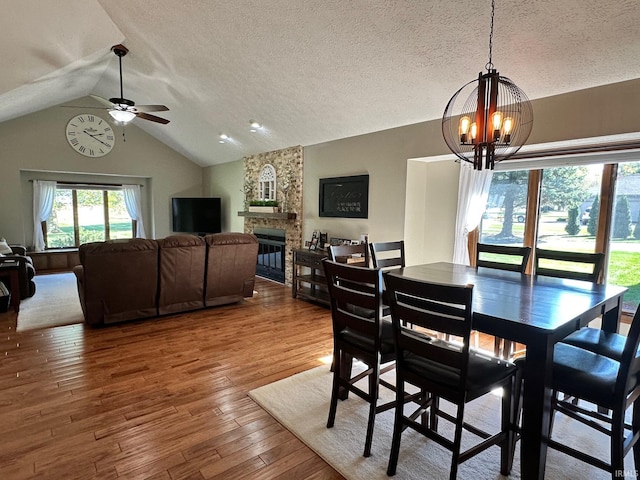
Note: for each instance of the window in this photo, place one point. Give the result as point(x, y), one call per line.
point(623, 266)
point(504, 219)
point(567, 195)
point(566, 216)
point(85, 214)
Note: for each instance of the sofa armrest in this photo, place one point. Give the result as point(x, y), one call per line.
point(19, 249)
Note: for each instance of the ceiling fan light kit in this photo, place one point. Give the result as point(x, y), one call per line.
point(488, 119)
point(122, 116)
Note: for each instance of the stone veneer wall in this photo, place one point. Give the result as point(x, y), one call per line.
point(288, 164)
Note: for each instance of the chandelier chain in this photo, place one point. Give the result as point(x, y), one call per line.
point(489, 64)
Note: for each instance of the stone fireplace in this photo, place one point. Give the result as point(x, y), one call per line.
point(288, 165)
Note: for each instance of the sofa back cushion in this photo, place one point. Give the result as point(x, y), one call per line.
point(120, 280)
point(181, 273)
point(231, 267)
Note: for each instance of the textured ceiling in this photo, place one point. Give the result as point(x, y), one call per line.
point(311, 71)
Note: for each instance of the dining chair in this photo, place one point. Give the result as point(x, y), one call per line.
point(345, 254)
point(387, 254)
point(589, 338)
point(446, 370)
point(503, 257)
point(359, 331)
point(609, 386)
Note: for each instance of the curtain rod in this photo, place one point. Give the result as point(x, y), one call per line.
point(92, 184)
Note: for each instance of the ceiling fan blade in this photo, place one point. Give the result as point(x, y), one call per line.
point(153, 118)
point(104, 101)
point(151, 108)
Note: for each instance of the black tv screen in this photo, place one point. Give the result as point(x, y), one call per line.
point(197, 215)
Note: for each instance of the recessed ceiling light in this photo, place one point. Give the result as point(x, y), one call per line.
point(255, 126)
point(223, 137)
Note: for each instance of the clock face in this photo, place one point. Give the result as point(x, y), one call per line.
point(90, 135)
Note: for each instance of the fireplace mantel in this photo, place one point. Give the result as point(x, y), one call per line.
point(275, 216)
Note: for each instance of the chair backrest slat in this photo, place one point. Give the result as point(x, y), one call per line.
point(502, 257)
point(387, 254)
point(571, 265)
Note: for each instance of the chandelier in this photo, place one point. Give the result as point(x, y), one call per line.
point(488, 119)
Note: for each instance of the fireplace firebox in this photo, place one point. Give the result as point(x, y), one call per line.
point(271, 253)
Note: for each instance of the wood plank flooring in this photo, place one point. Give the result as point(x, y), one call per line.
point(160, 398)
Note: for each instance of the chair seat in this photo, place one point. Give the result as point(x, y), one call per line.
point(484, 371)
point(586, 375)
point(365, 342)
point(598, 341)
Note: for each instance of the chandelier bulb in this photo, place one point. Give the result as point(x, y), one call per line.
point(474, 131)
point(465, 123)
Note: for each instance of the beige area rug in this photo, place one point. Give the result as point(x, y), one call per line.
point(55, 303)
point(301, 404)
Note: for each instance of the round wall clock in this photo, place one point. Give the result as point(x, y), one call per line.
point(90, 135)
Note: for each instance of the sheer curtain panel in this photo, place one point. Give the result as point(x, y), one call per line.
point(44, 193)
point(473, 191)
point(133, 202)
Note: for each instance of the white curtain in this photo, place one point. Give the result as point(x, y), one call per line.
point(44, 193)
point(133, 201)
point(473, 191)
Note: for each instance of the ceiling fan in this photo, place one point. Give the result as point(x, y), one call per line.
point(124, 110)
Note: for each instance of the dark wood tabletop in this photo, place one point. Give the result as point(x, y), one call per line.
point(538, 312)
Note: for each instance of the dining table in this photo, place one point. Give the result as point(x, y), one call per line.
point(536, 311)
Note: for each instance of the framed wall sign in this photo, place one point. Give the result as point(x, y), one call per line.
point(344, 197)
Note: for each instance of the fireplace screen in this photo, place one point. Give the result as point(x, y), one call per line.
point(271, 253)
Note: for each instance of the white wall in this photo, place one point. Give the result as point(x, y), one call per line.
point(226, 181)
point(35, 147)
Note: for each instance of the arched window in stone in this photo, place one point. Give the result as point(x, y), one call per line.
point(267, 183)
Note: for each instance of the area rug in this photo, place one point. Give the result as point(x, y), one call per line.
point(301, 404)
point(55, 303)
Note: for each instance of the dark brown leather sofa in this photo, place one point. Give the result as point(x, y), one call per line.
point(124, 280)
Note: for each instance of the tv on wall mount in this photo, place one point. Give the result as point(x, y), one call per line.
point(200, 215)
point(346, 197)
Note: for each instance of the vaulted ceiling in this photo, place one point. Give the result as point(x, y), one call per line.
point(310, 71)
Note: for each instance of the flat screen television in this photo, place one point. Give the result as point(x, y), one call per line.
point(197, 215)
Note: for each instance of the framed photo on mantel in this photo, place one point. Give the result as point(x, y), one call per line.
point(346, 197)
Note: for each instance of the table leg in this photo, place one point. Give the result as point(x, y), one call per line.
point(611, 317)
point(536, 410)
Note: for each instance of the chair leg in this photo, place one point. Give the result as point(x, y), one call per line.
point(398, 424)
point(635, 422)
point(497, 347)
point(617, 442)
point(457, 441)
point(374, 386)
point(433, 415)
point(334, 389)
point(508, 425)
point(345, 368)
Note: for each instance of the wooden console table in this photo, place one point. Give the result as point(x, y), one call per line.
point(308, 276)
point(13, 274)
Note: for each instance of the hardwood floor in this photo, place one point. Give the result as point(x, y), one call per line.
point(161, 399)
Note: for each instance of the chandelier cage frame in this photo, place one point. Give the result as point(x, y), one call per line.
point(489, 119)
